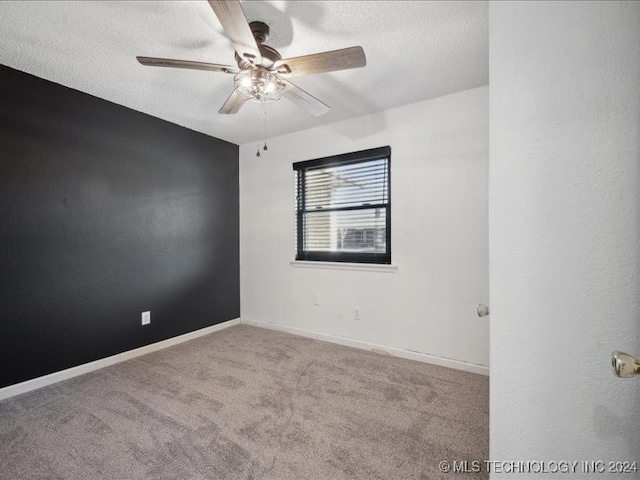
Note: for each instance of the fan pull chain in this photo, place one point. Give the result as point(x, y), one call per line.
point(265, 129)
point(258, 147)
point(265, 148)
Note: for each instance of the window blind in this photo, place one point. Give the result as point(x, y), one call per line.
point(343, 207)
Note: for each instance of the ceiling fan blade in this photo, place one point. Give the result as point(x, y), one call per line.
point(169, 62)
point(343, 59)
point(235, 25)
point(305, 100)
point(233, 104)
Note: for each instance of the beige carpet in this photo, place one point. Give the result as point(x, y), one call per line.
point(249, 403)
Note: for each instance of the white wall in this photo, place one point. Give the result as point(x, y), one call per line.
point(564, 225)
point(439, 194)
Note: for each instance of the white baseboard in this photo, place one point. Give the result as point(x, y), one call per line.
point(33, 384)
point(396, 352)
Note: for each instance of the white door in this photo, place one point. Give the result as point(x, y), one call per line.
point(564, 237)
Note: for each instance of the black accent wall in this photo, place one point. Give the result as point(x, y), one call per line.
point(106, 212)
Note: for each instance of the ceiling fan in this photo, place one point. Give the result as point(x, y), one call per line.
point(261, 73)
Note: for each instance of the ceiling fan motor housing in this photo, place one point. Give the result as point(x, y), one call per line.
point(260, 31)
point(270, 55)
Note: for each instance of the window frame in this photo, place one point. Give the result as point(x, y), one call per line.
point(361, 156)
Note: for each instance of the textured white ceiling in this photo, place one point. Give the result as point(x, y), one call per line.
point(415, 50)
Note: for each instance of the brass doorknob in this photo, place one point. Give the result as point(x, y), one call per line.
point(624, 365)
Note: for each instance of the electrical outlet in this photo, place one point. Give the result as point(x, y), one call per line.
point(356, 313)
point(146, 318)
point(316, 299)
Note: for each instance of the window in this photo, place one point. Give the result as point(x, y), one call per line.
point(343, 207)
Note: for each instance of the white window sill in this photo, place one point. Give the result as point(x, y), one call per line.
point(367, 267)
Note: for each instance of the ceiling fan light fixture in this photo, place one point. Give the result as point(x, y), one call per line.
point(258, 85)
